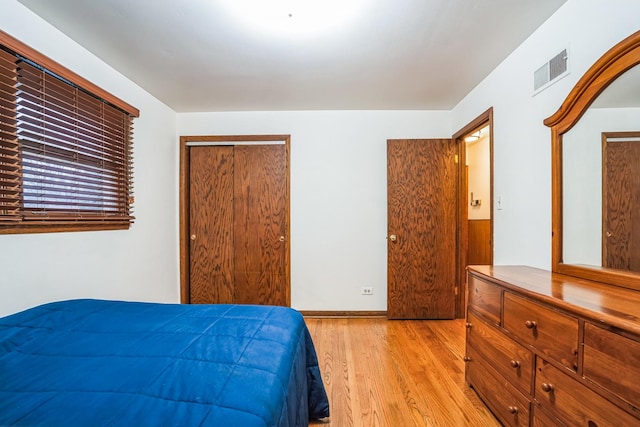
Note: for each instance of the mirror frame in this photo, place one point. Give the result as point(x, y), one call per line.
point(610, 66)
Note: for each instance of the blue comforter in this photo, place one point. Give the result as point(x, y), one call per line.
point(94, 362)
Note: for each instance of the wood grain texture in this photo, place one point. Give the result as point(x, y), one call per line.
point(192, 143)
point(396, 373)
point(586, 368)
point(510, 406)
point(510, 359)
point(260, 222)
point(486, 299)
point(621, 204)
point(211, 222)
point(597, 302)
point(479, 242)
point(583, 408)
point(553, 333)
point(422, 213)
point(541, 419)
point(612, 361)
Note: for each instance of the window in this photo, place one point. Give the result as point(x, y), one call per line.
point(65, 148)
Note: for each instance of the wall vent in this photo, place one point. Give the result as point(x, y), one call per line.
point(550, 72)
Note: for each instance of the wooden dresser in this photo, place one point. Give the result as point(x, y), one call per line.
point(544, 349)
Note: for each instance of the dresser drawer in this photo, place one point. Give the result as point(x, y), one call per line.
point(485, 298)
point(509, 405)
point(613, 362)
point(553, 333)
point(573, 402)
point(540, 419)
point(511, 360)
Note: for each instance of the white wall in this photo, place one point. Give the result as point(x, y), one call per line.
point(522, 144)
point(138, 264)
point(338, 194)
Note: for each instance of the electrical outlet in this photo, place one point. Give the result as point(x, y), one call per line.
point(367, 290)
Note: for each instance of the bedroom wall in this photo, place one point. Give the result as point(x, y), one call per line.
point(338, 194)
point(138, 264)
point(522, 144)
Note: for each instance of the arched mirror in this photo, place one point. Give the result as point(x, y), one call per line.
point(596, 171)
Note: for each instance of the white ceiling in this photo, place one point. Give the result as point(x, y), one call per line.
point(195, 55)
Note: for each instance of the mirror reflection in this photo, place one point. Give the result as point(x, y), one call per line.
point(601, 180)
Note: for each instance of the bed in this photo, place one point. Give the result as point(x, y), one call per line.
point(96, 362)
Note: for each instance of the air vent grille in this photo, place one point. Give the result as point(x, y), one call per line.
point(550, 71)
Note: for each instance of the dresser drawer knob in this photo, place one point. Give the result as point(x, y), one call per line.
point(513, 409)
point(468, 325)
point(514, 364)
point(467, 359)
point(546, 387)
point(530, 324)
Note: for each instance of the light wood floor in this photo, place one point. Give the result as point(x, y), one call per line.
point(395, 373)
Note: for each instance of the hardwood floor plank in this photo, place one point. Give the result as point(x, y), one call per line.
point(396, 373)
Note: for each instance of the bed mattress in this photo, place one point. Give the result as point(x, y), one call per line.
point(96, 362)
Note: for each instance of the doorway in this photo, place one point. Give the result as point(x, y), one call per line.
point(435, 225)
point(234, 219)
point(475, 216)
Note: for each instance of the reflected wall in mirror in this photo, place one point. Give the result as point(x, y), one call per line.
point(596, 171)
point(595, 191)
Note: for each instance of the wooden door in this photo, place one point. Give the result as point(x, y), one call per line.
point(238, 224)
point(621, 205)
point(260, 224)
point(211, 269)
point(422, 215)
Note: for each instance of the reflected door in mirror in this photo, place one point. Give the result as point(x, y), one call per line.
point(621, 201)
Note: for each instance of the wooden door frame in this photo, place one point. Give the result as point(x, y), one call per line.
point(185, 200)
point(484, 119)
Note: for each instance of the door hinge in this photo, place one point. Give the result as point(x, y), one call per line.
point(455, 290)
point(455, 159)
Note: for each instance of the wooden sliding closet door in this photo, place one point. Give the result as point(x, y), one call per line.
point(260, 224)
point(238, 223)
point(212, 232)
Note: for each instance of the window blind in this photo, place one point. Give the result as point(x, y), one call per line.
point(9, 152)
point(65, 153)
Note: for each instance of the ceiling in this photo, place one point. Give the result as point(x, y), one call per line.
point(208, 55)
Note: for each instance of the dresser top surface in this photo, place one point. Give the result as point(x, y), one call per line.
point(596, 301)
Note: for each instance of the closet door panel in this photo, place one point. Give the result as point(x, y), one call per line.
point(260, 224)
point(211, 225)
